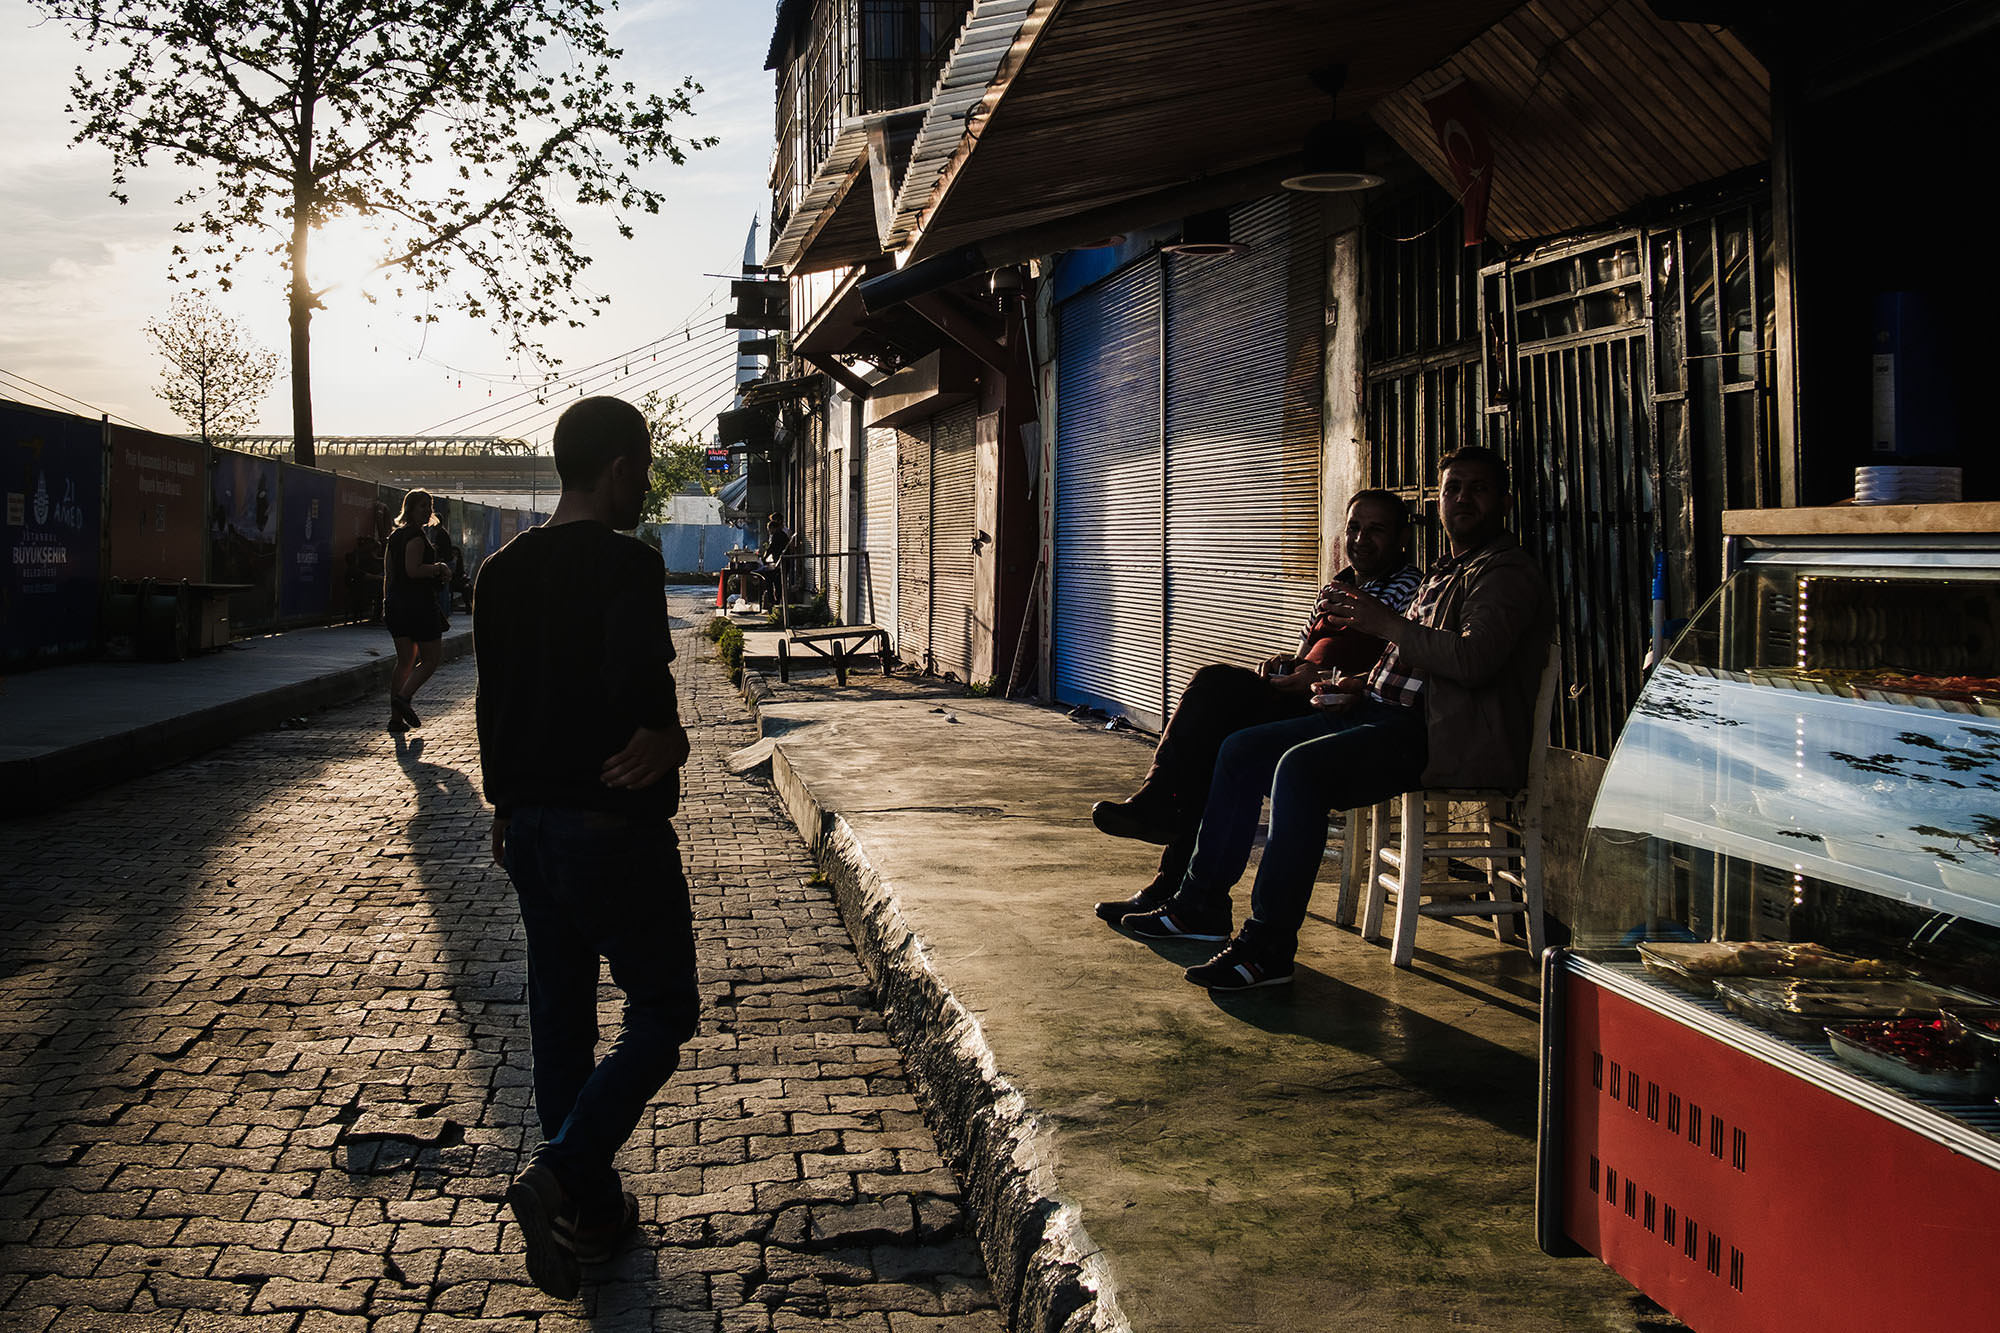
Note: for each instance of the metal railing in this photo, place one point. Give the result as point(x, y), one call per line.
point(820, 559)
point(858, 56)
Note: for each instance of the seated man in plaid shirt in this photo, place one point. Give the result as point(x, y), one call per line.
point(1221, 700)
point(1450, 703)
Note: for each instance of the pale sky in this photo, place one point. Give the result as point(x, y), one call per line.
point(81, 274)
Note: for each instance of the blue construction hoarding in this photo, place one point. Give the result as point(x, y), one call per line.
point(305, 544)
point(52, 485)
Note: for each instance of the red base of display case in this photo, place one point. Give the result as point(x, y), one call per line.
point(1742, 1197)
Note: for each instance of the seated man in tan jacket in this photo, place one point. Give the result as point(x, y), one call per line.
point(1449, 704)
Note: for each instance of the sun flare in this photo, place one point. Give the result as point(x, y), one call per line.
point(342, 254)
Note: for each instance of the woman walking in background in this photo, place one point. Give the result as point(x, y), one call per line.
point(410, 583)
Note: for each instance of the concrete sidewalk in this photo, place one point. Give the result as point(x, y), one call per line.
point(1355, 1151)
point(66, 730)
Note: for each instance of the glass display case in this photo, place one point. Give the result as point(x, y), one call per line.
point(1770, 1060)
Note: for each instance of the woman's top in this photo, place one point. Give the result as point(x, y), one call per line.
point(396, 579)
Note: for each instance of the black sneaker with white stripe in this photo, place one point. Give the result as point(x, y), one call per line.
point(1175, 922)
point(1240, 968)
point(548, 1222)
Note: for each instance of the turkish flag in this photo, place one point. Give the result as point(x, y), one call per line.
point(1461, 133)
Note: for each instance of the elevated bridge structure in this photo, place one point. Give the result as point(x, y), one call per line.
point(450, 464)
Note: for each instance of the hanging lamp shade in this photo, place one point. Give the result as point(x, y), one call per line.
point(1206, 234)
point(1334, 162)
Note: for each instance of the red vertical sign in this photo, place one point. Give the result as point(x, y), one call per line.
point(1461, 133)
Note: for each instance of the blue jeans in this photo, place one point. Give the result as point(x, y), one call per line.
point(1336, 759)
point(596, 886)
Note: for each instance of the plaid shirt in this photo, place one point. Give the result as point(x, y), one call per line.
point(1386, 682)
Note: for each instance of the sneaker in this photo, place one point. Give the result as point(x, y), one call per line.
point(548, 1223)
point(1240, 968)
point(1145, 900)
point(599, 1242)
point(1132, 819)
point(1178, 923)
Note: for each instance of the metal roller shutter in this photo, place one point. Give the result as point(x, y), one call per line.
point(832, 577)
point(877, 574)
point(954, 469)
point(1243, 340)
point(1108, 571)
point(913, 544)
point(811, 527)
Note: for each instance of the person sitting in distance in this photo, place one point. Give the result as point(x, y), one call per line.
point(777, 540)
point(1221, 700)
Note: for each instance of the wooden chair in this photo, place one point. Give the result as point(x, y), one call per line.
point(1508, 840)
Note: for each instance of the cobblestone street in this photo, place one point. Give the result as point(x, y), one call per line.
point(267, 1061)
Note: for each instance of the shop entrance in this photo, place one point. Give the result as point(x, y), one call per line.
point(1626, 377)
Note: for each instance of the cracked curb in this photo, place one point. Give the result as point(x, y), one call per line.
point(1046, 1270)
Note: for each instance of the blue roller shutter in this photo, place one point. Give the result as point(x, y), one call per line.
point(1108, 622)
point(1243, 440)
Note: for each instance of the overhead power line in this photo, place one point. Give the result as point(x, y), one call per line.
point(523, 414)
point(47, 397)
point(606, 371)
point(685, 331)
point(546, 414)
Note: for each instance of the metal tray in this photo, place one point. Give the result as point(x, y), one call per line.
point(1852, 1043)
point(1697, 967)
point(1803, 1009)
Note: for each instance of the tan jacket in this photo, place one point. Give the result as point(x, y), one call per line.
point(1481, 656)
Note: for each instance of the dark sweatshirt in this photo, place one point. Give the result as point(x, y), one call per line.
point(569, 625)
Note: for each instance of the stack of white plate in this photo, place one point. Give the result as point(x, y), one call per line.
point(1908, 485)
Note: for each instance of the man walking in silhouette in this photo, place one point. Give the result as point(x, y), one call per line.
point(581, 746)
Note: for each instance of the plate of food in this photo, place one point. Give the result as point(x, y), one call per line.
point(1698, 966)
point(1803, 1008)
point(1931, 1055)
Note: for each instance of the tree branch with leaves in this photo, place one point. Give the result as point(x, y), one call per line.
point(678, 453)
point(459, 128)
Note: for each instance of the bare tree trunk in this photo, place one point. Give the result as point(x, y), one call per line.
point(302, 304)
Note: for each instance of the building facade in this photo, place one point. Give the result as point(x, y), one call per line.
point(1129, 378)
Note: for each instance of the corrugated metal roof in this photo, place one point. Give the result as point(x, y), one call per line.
point(846, 162)
point(1592, 109)
point(791, 13)
point(1108, 100)
point(989, 33)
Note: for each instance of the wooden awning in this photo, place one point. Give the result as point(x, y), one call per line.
point(1591, 110)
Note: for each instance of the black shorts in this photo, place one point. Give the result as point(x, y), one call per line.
point(412, 613)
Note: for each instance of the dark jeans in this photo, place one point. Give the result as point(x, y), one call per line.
point(1335, 759)
point(600, 886)
point(1218, 702)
